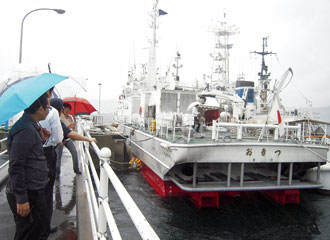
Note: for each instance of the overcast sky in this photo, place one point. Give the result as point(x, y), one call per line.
point(99, 40)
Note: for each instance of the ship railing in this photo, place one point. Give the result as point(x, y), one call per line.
point(96, 189)
point(240, 127)
point(166, 122)
point(2, 141)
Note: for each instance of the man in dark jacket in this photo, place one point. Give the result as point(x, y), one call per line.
point(28, 173)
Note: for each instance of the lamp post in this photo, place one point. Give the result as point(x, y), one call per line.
point(100, 97)
point(59, 11)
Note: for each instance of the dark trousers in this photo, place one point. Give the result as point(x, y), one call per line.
point(34, 226)
point(51, 162)
point(69, 144)
point(196, 123)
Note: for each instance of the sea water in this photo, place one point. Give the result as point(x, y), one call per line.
point(242, 218)
point(254, 217)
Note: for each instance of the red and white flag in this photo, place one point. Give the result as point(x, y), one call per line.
point(275, 116)
point(280, 123)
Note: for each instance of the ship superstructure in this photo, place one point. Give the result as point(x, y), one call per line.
point(229, 155)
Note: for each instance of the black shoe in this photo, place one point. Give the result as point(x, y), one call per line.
point(78, 172)
point(53, 229)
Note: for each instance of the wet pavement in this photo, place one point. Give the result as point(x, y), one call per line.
point(64, 215)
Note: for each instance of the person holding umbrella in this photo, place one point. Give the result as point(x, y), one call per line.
point(28, 173)
point(69, 121)
point(57, 103)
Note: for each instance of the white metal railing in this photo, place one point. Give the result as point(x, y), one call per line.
point(4, 167)
point(170, 123)
point(216, 126)
point(99, 208)
point(3, 140)
point(165, 123)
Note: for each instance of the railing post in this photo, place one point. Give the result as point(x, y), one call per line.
point(276, 134)
point(214, 128)
point(189, 132)
point(299, 132)
point(174, 124)
point(239, 132)
point(105, 154)
point(303, 132)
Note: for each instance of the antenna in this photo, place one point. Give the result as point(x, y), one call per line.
point(220, 57)
point(264, 75)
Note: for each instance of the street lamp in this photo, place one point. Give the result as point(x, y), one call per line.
point(59, 11)
point(100, 98)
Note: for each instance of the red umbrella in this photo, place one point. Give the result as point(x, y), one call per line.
point(79, 105)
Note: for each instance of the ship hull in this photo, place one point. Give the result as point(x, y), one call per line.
point(324, 175)
point(227, 166)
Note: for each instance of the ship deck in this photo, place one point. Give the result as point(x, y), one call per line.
point(184, 135)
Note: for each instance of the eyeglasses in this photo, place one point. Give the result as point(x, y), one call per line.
point(49, 108)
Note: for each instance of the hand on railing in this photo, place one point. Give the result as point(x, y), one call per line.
point(92, 140)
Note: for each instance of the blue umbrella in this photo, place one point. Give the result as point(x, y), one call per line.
point(21, 94)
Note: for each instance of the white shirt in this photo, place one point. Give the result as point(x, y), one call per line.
point(66, 120)
point(53, 124)
point(195, 111)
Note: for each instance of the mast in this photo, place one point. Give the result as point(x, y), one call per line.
point(220, 69)
point(177, 66)
point(151, 78)
point(264, 80)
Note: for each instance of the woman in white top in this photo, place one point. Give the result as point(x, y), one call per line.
point(67, 118)
point(195, 113)
point(70, 122)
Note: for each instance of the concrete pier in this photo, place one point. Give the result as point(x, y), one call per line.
point(67, 189)
point(71, 213)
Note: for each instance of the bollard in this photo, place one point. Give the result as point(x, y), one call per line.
point(105, 154)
